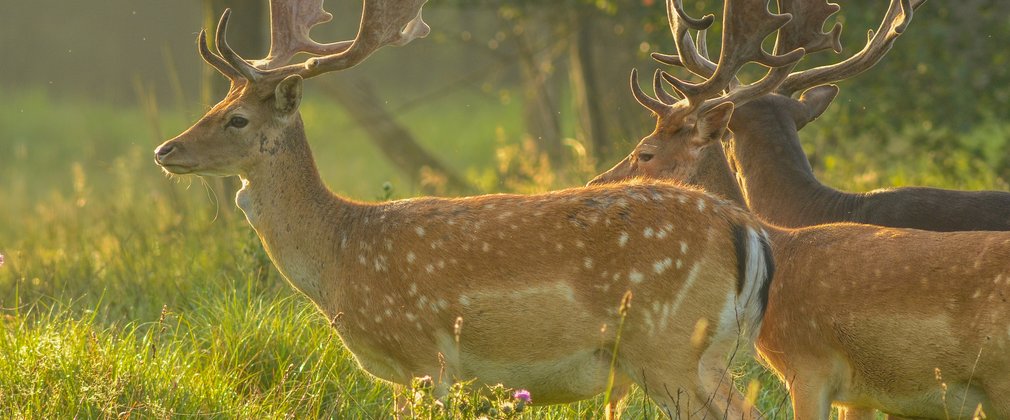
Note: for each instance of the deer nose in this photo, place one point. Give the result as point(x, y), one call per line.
point(162, 151)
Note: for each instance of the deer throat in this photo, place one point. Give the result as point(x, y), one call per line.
point(243, 199)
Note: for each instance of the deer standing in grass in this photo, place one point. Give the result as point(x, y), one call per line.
point(525, 291)
point(860, 316)
point(777, 181)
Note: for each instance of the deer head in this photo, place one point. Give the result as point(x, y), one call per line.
point(247, 127)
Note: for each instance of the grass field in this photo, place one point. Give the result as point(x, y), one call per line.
point(125, 293)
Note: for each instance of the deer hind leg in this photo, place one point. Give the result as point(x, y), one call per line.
point(667, 376)
point(810, 400)
point(858, 414)
point(715, 372)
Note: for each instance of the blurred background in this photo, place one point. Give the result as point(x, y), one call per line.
point(504, 95)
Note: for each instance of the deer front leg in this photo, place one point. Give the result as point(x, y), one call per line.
point(618, 402)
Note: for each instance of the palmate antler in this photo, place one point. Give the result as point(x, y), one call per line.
point(746, 23)
point(896, 20)
point(383, 22)
point(803, 32)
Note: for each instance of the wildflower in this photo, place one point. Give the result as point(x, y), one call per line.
point(1, 260)
point(522, 395)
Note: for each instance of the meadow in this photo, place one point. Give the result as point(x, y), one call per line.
point(127, 293)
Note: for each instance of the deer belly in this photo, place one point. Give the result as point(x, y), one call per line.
point(577, 376)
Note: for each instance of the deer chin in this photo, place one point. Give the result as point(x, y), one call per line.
point(181, 169)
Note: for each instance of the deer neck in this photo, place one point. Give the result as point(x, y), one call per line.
point(293, 213)
point(772, 169)
point(715, 176)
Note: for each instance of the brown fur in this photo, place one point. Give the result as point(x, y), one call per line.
point(533, 282)
point(780, 186)
point(863, 316)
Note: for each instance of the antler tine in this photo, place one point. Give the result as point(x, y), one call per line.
point(655, 105)
point(290, 24)
point(745, 25)
point(661, 93)
point(805, 30)
point(215, 60)
point(234, 60)
point(688, 55)
point(898, 17)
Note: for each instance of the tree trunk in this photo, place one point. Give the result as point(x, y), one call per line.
point(586, 93)
point(540, 110)
point(396, 142)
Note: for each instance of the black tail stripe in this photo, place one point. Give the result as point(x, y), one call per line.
point(766, 248)
point(740, 243)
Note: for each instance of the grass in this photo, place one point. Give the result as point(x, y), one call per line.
point(128, 294)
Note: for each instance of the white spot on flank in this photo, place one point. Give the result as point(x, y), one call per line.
point(587, 262)
point(580, 244)
point(411, 257)
point(701, 204)
point(623, 239)
point(683, 247)
point(635, 276)
point(679, 263)
point(413, 289)
point(661, 234)
point(464, 300)
point(692, 277)
point(429, 268)
point(410, 317)
point(419, 230)
point(647, 233)
point(485, 247)
point(660, 266)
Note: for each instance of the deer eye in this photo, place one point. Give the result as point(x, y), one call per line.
point(238, 122)
point(645, 157)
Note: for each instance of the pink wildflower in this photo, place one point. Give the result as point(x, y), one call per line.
point(522, 395)
point(1, 260)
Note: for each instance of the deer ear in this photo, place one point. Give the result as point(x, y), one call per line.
point(815, 101)
point(288, 94)
point(712, 125)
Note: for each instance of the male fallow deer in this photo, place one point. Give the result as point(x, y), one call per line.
point(860, 316)
point(778, 182)
point(526, 291)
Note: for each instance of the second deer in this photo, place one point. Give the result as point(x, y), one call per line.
point(909, 322)
point(777, 180)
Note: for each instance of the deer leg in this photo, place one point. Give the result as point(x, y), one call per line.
point(714, 369)
point(810, 401)
point(857, 414)
point(618, 402)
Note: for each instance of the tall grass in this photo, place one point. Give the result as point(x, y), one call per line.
point(127, 293)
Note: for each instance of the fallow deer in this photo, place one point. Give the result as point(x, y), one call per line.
point(778, 183)
point(525, 291)
point(860, 316)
